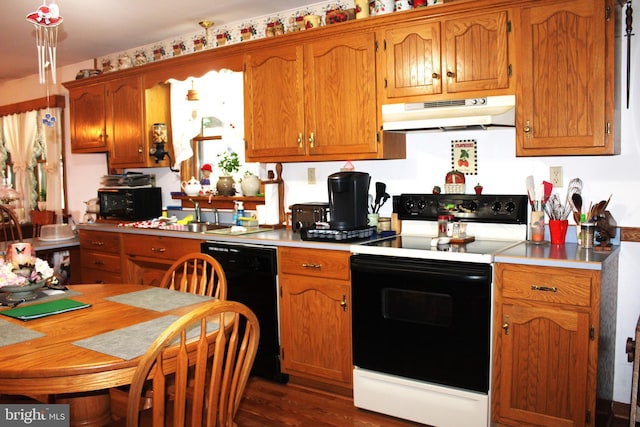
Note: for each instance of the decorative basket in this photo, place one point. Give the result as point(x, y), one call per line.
point(454, 188)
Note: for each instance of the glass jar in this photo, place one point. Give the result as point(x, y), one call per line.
point(443, 224)
point(384, 224)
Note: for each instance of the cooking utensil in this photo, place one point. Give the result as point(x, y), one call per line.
point(531, 191)
point(548, 189)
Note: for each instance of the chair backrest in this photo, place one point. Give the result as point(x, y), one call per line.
point(221, 360)
point(40, 218)
point(196, 273)
point(10, 229)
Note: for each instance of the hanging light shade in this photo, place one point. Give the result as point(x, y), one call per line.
point(193, 94)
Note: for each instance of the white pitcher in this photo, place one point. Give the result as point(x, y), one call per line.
point(191, 187)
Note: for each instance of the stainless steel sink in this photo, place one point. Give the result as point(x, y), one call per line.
point(200, 227)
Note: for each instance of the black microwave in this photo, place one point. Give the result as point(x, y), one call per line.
point(131, 204)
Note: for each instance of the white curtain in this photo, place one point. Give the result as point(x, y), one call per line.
point(52, 141)
point(20, 132)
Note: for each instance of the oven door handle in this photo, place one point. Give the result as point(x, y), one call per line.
point(437, 269)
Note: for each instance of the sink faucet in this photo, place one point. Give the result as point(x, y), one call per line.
point(198, 212)
point(216, 216)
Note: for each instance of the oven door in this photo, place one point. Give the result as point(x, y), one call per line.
point(423, 319)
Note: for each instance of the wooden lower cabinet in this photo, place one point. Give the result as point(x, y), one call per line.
point(547, 330)
point(147, 257)
point(100, 257)
point(315, 316)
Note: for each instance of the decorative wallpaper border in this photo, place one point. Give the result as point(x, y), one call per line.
point(235, 32)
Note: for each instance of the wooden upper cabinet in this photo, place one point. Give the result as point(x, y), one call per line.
point(87, 110)
point(411, 60)
point(314, 101)
point(452, 58)
point(274, 111)
point(340, 96)
point(477, 53)
point(132, 112)
point(565, 93)
point(124, 121)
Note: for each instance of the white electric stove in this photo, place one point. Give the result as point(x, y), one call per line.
point(421, 311)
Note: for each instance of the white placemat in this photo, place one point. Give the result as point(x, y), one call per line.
point(12, 333)
point(159, 299)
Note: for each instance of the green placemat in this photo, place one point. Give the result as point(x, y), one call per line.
point(133, 341)
point(36, 311)
point(159, 299)
point(12, 333)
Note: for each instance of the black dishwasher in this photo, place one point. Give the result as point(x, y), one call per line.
point(252, 275)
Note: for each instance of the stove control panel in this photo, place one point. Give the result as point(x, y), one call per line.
point(506, 209)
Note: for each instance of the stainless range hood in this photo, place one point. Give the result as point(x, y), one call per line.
point(482, 113)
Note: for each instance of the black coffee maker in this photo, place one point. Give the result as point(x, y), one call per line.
point(348, 199)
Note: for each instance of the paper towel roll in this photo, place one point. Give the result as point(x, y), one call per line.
point(272, 203)
point(261, 212)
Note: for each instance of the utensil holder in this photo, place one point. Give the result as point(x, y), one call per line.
point(558, 231)
point(537, 226)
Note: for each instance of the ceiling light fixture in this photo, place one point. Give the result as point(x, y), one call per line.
point(206, 25)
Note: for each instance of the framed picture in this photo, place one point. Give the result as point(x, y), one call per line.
point(464, 156)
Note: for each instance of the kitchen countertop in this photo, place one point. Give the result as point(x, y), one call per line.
point(275, 237)
point(569, 255)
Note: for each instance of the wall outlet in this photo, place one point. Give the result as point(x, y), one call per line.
point(555, 175)
point(311, 175)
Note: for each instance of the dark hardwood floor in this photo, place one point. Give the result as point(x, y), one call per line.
point(269, 404)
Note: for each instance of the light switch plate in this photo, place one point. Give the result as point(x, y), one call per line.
point(555, 176)
point(311, 175)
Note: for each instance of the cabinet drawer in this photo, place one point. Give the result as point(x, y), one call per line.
point(315, 262)
point(557, 285)
point(100, 241)
point(158, 246)
point(91, 275)
point(100, 261)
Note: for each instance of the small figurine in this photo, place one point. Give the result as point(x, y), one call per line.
point(206, 170)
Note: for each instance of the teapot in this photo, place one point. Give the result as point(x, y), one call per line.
point(191, 187)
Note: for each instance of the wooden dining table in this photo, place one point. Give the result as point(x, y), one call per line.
point(54, 365)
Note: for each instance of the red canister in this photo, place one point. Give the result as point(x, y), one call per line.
point(419, 3)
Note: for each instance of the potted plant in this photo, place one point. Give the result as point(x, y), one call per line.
point(228, 163)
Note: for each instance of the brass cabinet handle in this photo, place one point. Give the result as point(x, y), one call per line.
point(505, 325)
point(544, 288)
point(158, 249)
point(312, 139)
point(527, 129)
point(343, 303)
point(307, 265)
point(98, 262)
point(97, 243)
point(435, 76)
point(451, 74)
point(300, 140)
point(139, 149)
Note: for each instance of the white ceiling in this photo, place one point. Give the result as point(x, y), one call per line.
point(94, 28)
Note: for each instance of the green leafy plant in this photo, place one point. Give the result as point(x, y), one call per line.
point(228, 162)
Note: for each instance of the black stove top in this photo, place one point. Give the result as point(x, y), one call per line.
point(504, 209)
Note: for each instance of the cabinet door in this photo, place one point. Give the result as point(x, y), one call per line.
point(564, 72)
point(340, 96)
point(411, 61)
point(476, 53)
point(87, 106)
point(274, 110)
point(315, 316)
point(542, 366)
point(125, 122)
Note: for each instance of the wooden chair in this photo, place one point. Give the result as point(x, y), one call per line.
point(198, 274)
point(222, 369)
point(40, 218)
point(10, 229)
